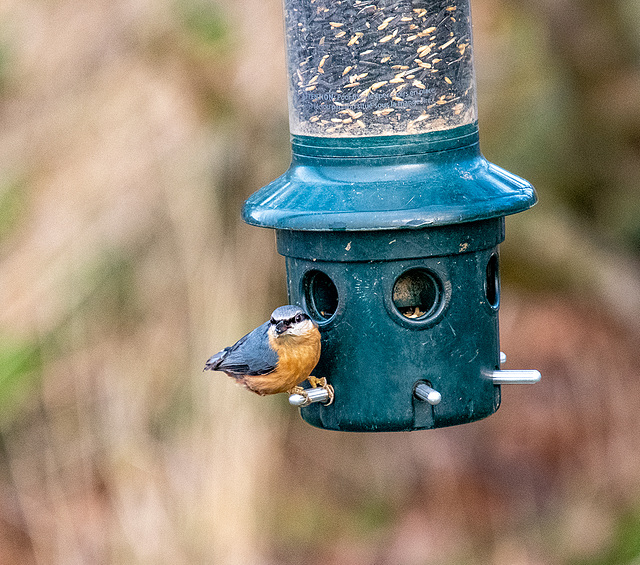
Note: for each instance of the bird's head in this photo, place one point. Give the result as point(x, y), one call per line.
point(290, 321)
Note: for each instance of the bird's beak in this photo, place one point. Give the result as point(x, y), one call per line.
point(280, 327)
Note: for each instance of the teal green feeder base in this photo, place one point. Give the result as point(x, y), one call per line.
point(391, 245)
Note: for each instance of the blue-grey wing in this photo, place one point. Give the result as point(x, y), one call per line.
point(250, 355)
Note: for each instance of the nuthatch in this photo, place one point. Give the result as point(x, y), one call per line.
point(275, 357)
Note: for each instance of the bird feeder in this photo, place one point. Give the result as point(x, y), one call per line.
point(389, 217)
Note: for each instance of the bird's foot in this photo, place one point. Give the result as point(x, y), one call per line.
point(321, 382)
point(302, 392)
point(330, 392)
point(315, 381)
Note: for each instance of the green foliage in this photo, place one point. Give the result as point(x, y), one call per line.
point(299, 519)
point(303, 518)
point(4, 66)
point(372, 515)
point(204, 21)
point(624, 548)
point(20, 370)
point(12, 196)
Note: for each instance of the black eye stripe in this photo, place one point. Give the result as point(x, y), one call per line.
point(299, 317)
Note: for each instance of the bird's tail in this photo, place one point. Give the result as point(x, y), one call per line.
point(214, 362)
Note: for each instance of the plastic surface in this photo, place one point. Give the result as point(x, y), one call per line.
point(391, 244)
point(407, 306)
point(388, 182)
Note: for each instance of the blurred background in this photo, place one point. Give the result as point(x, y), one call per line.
point(131, 131)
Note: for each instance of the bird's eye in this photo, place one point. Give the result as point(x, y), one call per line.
point(298, 318)
point(272, 321)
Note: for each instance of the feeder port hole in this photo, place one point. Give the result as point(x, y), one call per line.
point(492, 284)
point(321, 295)
point(417, 294)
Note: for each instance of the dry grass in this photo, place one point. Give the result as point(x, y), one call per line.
point(121, 271)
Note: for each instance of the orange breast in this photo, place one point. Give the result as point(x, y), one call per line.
point(298, 356)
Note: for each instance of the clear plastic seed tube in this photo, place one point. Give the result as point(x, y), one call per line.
point(379, 67)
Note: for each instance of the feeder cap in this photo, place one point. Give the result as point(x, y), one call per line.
point(388, 182)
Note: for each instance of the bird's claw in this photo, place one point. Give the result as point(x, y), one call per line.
point(308, 399)
point(330, 392)
point(315, 381)
point(302, 392)
point(321, 382)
